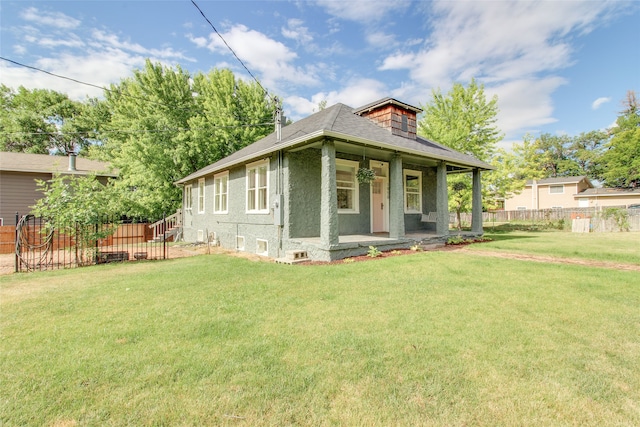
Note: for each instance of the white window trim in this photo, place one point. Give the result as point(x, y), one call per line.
point(409, 172)
point(251, 166)
point(188, 197)
point(216, 179)
point(201, 193)
point(556, 185)
point(356, 186)
point(266, 247)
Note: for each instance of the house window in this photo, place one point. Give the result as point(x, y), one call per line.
point(201, 195)
point(347, 186)
point(412, 191)
point(258, 187)
point(404, 124)
point(188, 197)
point(556, 189)
point(220, 190)
point(240, 243)
point(262, 247)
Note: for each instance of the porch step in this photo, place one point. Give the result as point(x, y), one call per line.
point(292, 257)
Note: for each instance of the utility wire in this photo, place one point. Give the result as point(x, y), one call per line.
point(230, 49)
point(135, 130)
point(91, 84)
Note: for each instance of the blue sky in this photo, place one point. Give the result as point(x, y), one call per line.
point(556, 66)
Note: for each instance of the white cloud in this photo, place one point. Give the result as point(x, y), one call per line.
point(362, 10)
point(101, 38)
point(72, 41)
point(356, 93)
point(598, 102)
point(261, 54)
point(381, 40)
point(525, 104)
point(297, 31)
point(514, 48)
point(54, 19)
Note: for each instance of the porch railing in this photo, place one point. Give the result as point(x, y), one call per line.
point(166, 225)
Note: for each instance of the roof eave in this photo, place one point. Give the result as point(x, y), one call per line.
point(337, 135)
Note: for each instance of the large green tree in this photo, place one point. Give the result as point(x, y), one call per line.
point(621, 160)
point(41, 121)
point(463, 119)
point(164, 124)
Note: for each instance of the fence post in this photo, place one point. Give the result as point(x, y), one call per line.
point(164, 235)
point(15, 246)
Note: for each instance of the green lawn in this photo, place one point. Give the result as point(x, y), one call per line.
point(433, 338)
point(608, 247)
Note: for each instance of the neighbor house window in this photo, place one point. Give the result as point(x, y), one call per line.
point(412, 191)
point(258, 187)
point(556, 189)
point(220, 190)
point(188, 197)
point(201, 195)
point(347, 186)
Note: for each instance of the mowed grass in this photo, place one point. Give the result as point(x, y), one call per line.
point(434, 338)
point(607, 247)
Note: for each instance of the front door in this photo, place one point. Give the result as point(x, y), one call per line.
point(380, 198)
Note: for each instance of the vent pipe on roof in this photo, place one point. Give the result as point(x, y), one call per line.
point(72, 162)
point(278, 124)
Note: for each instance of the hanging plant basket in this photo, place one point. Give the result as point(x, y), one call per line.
point(365, 175)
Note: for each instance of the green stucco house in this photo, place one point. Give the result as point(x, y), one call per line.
point(295, 194)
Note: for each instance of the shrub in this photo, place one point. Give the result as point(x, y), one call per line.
point(373, 252)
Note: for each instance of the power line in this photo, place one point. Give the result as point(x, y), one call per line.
point(91, 84)
point(137, 130)
point(230, 49)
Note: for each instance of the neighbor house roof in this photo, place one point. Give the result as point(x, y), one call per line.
point(610, 192)
point(44, 163)
point(341, 123)
point(560, 180)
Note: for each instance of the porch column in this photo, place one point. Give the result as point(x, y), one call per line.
point(396, 198)
point(329, 231)
point(476, 203)
point(442, 200)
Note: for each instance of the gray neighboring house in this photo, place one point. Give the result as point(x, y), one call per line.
point(19, 172)
point(295, 195)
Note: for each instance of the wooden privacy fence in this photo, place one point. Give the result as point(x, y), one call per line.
point(601, 219)
point(39, 244)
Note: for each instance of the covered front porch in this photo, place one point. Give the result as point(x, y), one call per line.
point(333, 243)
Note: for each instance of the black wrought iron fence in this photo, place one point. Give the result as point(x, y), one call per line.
point(43, 244)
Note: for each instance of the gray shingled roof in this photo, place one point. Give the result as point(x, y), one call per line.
point(341, 123)
point(44, 163)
